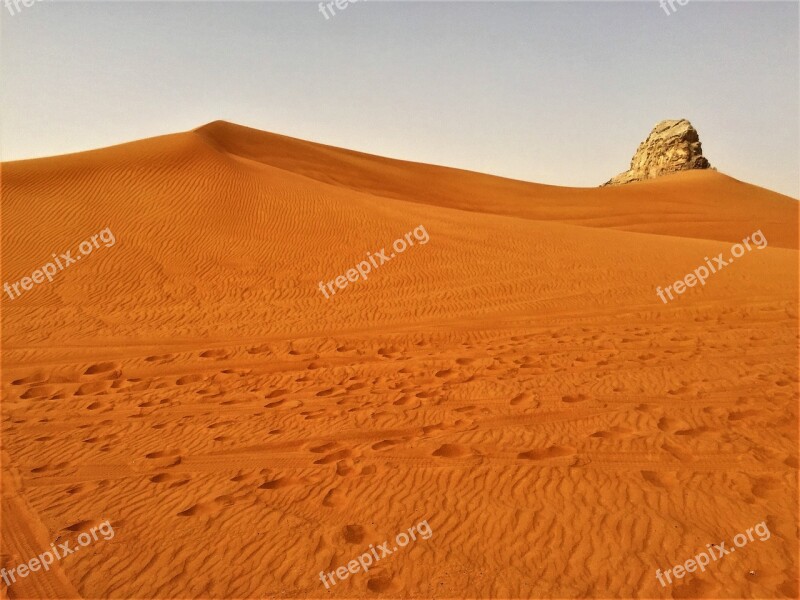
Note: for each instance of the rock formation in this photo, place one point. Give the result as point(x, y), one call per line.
point(672, 146)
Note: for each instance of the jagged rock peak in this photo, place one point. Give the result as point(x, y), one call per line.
point(672, 146)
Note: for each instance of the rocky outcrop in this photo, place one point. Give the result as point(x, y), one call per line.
point(672, 146)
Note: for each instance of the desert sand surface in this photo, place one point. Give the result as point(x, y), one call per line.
point(515, 381)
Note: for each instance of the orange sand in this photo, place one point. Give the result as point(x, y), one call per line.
point(516, 381)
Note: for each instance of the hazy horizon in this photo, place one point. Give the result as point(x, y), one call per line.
point(558, 93)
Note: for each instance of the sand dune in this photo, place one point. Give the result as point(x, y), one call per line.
point(515, 380)
point(701, 204)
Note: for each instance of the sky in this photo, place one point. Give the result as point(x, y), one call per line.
point(553, 92)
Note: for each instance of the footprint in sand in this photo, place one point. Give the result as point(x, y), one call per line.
point(670, 425)
point(383, 444)
point(198, 509)
point(93, 387)
point(766, 487)
point(79, 526)
point(40, 391)
point(683, 455)
point(323, 448)
point(382, 584)
point(335, 497)
point(30, 379)
point(188, 379)
point(262, 349)
point(344, 468)
point(334, 456)
point(452, 451)
point(224, 500)
point(525, 399)
point(613, 433)
point(572, 399)
point(694, 431)
point(280, 483)
point(45, 468)
point(662, 479)
point(353, 534)
point(218, 354)
point(164, 459)
point(426, 429)
point(161, 358)
point(547, 453)
point(103, 370)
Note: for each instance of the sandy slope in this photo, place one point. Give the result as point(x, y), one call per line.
point(515, 381)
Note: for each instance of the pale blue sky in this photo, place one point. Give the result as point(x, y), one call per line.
point(552, 92)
